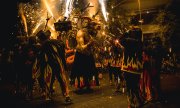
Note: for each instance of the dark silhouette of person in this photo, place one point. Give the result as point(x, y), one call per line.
point(132, 64)
point(52, 64)
point(30, 52)
point(150, 82)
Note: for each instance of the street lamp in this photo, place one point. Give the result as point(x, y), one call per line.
point(139, 5)
point(140, 19)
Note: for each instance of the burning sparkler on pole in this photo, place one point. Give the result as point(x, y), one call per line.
point(47, 19)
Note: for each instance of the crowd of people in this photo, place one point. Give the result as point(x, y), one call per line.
point(133, 66)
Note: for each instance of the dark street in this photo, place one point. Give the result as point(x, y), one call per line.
point(103, 96)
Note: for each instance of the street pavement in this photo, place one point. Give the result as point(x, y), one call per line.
point(103, 96)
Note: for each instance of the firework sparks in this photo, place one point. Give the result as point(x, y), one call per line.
point(21, 12)
point(36, 27)
point(103, 8)
point(69, 7)
point(34, 14)
point(48, 7)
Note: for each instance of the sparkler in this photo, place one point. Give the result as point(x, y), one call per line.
point(47, 19)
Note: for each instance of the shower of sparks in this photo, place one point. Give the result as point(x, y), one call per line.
point(69, 8)
point(48, 7)
point(35, 28)
point(21, 12)
point(34, 14)
point(103, 9)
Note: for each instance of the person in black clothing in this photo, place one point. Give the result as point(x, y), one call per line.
point(30, 52)
point(132, 64)
point(18, 65)
point(52, 64)
point(157, 55)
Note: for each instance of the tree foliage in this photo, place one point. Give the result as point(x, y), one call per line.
point(167, 23)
